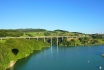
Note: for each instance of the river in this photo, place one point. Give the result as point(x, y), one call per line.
point(63, 58)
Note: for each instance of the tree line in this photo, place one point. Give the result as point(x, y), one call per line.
point(20, 32)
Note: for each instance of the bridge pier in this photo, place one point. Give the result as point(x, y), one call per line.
point(44, 39)
point(51, 44)
point(51, 41)
point(29, 38)
point(62, 38)
point(37, 38)
point(57, 44)
point(57, 41)
point(67, 37)
point(1, 39)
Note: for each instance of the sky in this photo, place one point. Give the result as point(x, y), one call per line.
point(86, 16)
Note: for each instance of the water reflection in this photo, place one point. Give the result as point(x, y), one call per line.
point(51, 49)
point(57, 48)
point(45, 53)
point(62, 58)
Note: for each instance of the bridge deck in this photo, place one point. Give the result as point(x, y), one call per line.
point(46, 37)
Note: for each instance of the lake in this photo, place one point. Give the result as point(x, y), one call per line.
point(63, 58)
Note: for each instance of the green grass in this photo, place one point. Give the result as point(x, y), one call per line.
point(35, 33)
point(3, 41)
point(57, 33)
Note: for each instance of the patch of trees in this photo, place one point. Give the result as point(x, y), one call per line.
point(13, 33)
point(31, 30)
point(78, 41)
point(77, 33)
point(47, 33)
point(60, 30)
point(97, 36)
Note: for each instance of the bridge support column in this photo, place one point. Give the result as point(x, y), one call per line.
point(44, 39)
point(57, 44)
point(51, 41)
point(62, 38)
point(37, 38)
point(67, 38)
point(51, 44)
point(1, 39)
point(57, 41)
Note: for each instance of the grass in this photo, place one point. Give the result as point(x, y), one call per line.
point(2, 41)
point(35, 33)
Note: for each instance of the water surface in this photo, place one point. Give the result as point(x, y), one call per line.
point(63, 58)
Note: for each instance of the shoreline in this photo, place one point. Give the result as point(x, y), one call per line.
point(12, 63)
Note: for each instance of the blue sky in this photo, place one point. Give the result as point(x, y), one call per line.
point(86, 16)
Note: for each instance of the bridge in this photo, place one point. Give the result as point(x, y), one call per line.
point(37, 37)
point(45, 37)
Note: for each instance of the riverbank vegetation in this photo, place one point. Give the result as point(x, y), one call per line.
point(14, 49)
point(86, 41)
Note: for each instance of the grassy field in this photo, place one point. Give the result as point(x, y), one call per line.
point(33, 34)
point(2, 41)
point(57, 33)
